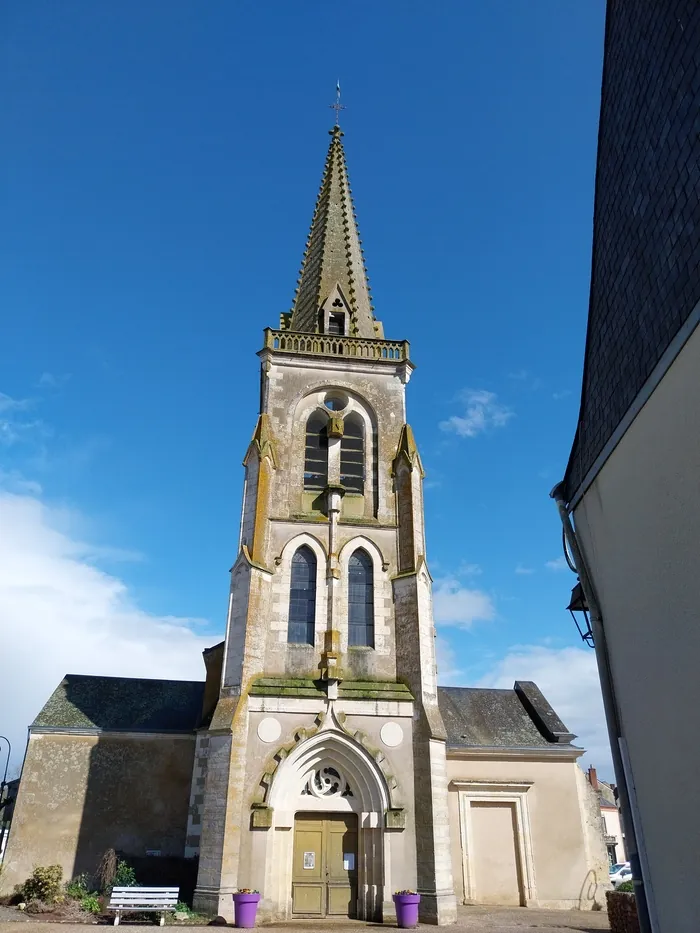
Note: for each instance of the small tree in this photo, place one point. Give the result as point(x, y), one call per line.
point(44, 884)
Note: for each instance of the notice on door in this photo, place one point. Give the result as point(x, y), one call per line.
point(309, 859)
point(349, 861)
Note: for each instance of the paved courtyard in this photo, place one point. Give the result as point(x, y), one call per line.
point(471, 920)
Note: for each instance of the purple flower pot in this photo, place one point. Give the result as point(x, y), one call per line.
point(245, 907)
point(407, 910)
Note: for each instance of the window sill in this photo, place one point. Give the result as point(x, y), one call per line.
point(361, 648)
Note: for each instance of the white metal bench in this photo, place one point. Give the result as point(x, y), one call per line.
point(140, 899)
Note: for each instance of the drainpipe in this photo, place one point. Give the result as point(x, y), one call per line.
point(612, 714)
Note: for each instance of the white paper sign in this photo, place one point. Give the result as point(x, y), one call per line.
point(309, 859)
point(349, 861)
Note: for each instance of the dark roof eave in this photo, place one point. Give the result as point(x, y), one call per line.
point(95, 730)
point(553, 750)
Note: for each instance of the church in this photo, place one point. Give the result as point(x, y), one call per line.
point(318, 761)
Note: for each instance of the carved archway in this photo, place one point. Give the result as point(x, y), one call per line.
point(328, 771)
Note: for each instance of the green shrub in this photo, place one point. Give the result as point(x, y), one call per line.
point(627, 887)
point(78, 887)
point(44, 884)
point(91, 904)
point(125, 876)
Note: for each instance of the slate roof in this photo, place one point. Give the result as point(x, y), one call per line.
point(474, 717)
point(123, 704)
point(478, 717)
point(646, 223)
point(334, 252)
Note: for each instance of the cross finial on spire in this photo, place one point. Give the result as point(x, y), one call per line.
point(337, 106)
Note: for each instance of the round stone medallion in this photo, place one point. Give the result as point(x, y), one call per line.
point(392, 734)
point(269, 730)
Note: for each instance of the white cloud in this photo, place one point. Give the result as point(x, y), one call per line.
point(454, 604)
point(50, 381)
point(469, 570)
point(568, 677)
point(559, 563)
point(482, 412)
point(525, 571)
point(449, 671)
point(14, 423)
point(563, 393)
point(60, 613)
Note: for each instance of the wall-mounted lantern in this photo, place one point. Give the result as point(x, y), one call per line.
point(578, 607)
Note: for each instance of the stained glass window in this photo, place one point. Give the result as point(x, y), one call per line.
point(302, 597)
point(361, 600)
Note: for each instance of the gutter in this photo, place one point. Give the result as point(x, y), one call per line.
point(621, 764)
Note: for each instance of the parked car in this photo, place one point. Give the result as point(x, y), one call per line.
point(619, 873)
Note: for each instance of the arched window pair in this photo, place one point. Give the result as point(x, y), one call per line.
point(302, 598)
point(352, 453)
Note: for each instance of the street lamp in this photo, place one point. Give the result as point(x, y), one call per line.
point(7, 763)
point(579, 605)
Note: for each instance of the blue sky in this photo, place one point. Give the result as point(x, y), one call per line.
point(160, 166)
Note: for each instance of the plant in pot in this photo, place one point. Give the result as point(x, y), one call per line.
point(406, 908)
point(245, 907)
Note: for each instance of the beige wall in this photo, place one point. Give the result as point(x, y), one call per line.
point(82, 794)
point(613, 827)
point(638, 526)
point(561, 858)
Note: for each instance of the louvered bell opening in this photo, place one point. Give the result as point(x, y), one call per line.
point(316, 458)
point(352, 456)
point(336, 323)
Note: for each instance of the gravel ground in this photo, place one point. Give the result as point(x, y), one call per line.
point(471, 920)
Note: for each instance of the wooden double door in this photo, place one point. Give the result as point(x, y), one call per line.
point(324, 871)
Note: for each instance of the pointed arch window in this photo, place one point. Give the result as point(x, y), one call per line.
point(302, 597)
point(316, 454)
point(361, 600)
point(352, 454)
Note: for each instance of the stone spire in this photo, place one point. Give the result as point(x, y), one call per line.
point(333, 276)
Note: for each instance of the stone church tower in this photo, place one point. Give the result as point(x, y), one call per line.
point(321, 778)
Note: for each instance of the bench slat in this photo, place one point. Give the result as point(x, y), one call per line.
point(139, 910)
point(146, 900)
point(145, 896)
point(133, 889)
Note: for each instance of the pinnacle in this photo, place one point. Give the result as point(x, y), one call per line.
point(333, 256)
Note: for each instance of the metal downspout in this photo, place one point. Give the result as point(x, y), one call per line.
point(611, 710)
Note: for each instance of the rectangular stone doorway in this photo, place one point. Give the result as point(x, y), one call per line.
point(324, 870)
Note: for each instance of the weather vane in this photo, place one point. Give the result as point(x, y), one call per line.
point(337, 106)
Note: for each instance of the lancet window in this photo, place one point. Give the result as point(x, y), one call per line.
point(302, 597)
point(361, 600)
